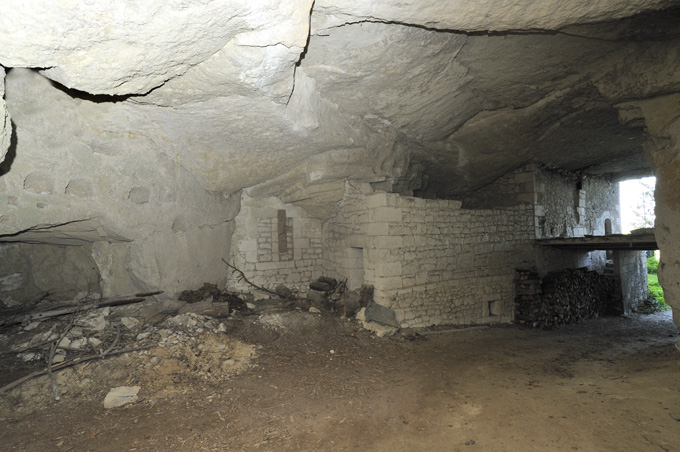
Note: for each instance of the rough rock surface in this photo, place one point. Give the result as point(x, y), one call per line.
point(137, 124)
point(5, 121)
point(663, 122)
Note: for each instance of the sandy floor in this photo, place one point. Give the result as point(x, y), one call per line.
point(322, 384)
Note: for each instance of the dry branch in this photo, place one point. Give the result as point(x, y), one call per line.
point(242, 277)
point(73, 362)
point(83, 305)
point(53, 378)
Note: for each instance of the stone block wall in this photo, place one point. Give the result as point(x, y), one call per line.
point(571, 206)
point(567, 205)
point(345, 236)
point(276, 243)
point(429, 260)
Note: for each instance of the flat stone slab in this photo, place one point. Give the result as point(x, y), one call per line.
point(122, 395)
point(380, 314)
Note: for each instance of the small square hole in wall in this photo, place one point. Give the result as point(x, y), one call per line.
point(494, 308)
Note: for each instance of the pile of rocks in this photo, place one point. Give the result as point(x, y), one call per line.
point(92, 330)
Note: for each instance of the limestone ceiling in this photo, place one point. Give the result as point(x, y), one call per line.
point(294, 96)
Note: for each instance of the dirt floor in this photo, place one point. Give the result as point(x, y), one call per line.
point(296, 381)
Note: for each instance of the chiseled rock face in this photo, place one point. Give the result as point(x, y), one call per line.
point(483, 15)
point(5, 121)
point(120, 48)
point(95, 174)
point(242, 93)
point(663, 123)
point(142, 120)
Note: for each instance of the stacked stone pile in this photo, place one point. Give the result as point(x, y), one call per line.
point(561, 298)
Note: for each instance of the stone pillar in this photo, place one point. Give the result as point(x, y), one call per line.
point(631, 279)
point(662, 119)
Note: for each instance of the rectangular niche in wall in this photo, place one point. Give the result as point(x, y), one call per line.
point(281, 231)
point(494, 308)
point(355, 265)
point(283, 237)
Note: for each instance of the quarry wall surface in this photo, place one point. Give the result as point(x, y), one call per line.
point(429, 260)
point(30, 272)
point(78, 174)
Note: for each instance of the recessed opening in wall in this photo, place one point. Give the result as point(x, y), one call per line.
point(355, 265)
point(282, 231)
point(636, 199)
point(32, 273)
point(494, 308)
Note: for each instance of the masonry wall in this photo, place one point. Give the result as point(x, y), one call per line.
point(345, 237)
point(276, 243)
point(567, 205)
point(571, 206)
point(429, 260)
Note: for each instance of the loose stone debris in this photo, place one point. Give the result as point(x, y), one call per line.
point(190, 333)
point(120, 396)
point(379, 329)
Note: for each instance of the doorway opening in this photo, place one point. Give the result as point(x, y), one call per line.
point(636, 203)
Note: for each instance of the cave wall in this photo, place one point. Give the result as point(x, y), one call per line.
point(149, 224)
point(5, 120)
point(660, 116)
point(298, 97)
point(30, 272)
point(510, 189)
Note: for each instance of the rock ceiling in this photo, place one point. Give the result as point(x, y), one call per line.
point(292, 97)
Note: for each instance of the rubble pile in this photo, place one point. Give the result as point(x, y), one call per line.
point(186, 336)
point(85, 331)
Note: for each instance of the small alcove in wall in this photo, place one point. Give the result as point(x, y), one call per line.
point(355, 265)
